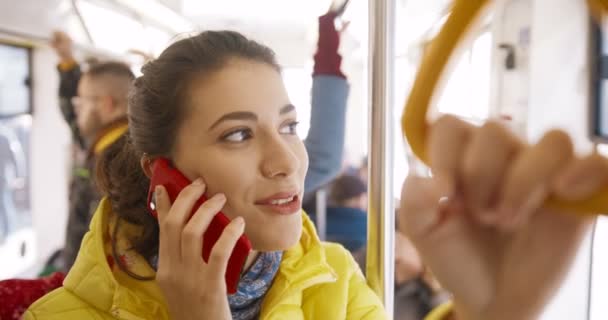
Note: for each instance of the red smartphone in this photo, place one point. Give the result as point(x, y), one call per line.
point(163, 173)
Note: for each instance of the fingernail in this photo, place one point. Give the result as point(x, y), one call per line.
point(198, 182)
point(240, 222)
point(535, 200)
point(445, 186)
point(514, 218)
point(220, 197)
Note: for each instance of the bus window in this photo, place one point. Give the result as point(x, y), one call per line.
point(16, 233)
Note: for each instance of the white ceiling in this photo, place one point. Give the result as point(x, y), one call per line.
point(296, 20)
point(294, 12)
point(288, 26)
point(34, 17)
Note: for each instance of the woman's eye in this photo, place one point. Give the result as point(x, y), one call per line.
point(290, 128)
point(237, 136)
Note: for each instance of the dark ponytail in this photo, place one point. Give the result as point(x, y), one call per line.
point(118, 170)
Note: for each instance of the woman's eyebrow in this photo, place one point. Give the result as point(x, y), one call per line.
point(287, 109)
point(246, 115)
point(238, 115)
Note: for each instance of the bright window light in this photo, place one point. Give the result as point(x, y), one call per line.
point(157, 40)
point(161, 14)
point(298, 82)
point(466, 93)
point(599, 278)
point(111, 30)
point(247, 9)
point(404, 75)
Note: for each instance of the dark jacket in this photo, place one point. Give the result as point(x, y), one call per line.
point(69, 75)
point(83, 194)
point(414, 300)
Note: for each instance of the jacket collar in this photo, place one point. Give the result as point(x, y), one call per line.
point(115, 292)
point(304, 265)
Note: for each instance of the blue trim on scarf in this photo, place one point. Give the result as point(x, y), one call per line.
point(246, 303)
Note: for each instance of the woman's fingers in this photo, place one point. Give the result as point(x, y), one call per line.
point(419, 209)
point(192, 235)
point(220, 254)
point(582, 178)
point(163, 205)
point(487, 157)
point(528, 180)
point(447, 141)
point(173, 217)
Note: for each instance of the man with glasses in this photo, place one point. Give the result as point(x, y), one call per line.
point(94, 104)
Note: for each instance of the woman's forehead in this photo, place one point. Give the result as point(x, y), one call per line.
point(239, 87)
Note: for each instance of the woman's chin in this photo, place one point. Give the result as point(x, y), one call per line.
point(286, 239)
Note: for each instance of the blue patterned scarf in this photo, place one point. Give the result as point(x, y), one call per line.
point(246, 303)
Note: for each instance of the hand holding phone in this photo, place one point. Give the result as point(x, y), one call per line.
point(164, 174)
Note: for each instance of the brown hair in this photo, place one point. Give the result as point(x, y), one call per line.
point(116, 77)
point(157, 104)
point(111, 68)
point(346, 187)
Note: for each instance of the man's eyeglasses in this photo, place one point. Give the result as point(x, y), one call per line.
point(78, 101)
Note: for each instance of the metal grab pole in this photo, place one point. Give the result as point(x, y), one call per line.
point(321, 197)
point(381, 216)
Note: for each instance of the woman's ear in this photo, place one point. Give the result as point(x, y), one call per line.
point(146, 165)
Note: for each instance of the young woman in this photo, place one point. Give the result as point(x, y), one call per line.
point(215, 105)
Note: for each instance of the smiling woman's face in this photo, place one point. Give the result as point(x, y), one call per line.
point(239, 135)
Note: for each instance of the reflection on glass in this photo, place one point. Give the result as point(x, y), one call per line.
point(298, 83)
point(16, 234)
point(14, 78)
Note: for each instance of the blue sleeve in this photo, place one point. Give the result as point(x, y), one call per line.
point(325, 141)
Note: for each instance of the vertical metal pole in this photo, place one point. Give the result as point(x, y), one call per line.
point(381, 223)
point(321, 197)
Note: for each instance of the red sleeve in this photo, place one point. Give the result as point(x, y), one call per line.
point(18, 294)
point(327, 59)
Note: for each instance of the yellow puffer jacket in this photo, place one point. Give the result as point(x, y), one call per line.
point(315, 281)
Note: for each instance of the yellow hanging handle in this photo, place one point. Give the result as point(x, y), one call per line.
point(414, 123)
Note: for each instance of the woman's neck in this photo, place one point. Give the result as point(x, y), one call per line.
point(250, 260)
